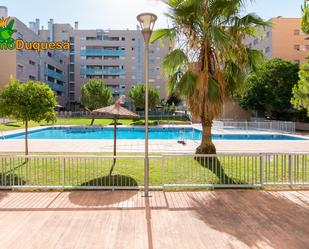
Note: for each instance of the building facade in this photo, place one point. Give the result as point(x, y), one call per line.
point(50, 67)
point(284, 39)
point(115, 56)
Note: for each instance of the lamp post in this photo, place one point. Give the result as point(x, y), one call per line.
point(147, 22)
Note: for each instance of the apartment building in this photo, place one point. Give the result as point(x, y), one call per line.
point(115, 56)
point(284, 39)
point(50, 67)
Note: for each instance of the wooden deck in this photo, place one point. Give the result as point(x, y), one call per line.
point(124, 219)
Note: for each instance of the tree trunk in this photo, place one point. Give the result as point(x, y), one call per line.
point(92, 121)
point(26, 138)
point(206, 146)
point(115, 138)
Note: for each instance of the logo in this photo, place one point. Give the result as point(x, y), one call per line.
point(6, 31)
point(8, 43)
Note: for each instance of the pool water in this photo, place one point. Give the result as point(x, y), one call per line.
point(138, 133)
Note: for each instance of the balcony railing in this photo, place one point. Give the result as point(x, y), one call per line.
point(120, 91)
point(101, 52)
point(54, 86)
point(54, 74)
point(106, 71)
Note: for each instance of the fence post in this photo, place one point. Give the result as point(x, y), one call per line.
point(262, 171)
point(290, 170)
point(63, 173)
point(163, 173)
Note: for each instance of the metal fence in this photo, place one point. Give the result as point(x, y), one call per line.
point(284, 126)
point(160, 115)
point(166, 171)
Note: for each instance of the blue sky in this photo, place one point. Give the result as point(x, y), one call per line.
point(120, 14)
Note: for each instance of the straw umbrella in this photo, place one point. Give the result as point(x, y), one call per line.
point(116, 111)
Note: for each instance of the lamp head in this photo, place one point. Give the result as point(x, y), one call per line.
point(147, 22)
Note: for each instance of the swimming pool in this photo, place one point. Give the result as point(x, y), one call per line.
point(131, 133)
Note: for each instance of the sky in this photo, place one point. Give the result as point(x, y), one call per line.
point(121, 14)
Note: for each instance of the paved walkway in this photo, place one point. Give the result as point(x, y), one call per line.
point(155, 146)
point(124, 219)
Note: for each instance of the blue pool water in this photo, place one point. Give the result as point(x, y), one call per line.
point(138, 133)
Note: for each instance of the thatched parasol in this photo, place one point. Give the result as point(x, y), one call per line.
point(116, 111)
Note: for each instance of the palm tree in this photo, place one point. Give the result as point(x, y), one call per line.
point(210, 60)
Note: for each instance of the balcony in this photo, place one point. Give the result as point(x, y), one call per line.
point(106, 71)
point(54, 74)
point(101, 52)
point(54, 86)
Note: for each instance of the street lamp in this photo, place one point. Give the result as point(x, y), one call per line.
point(147, 22)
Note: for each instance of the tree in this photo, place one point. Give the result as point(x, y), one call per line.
point(270, 89)
point(300, 98)
point(137, 96)
point(31, 101)
point(95, 94)
point(305, 18)
point(210, 60)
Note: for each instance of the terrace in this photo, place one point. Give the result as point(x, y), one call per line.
point(124, 219)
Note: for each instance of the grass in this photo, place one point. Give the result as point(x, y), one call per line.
point(91, 171)
point(87, 121)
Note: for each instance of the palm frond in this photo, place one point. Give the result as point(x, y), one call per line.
point(174, 61)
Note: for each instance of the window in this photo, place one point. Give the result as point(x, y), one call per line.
point(72, 77)
point(19, 35)
point(133, 48)
point(20, 68)
point(297, 47)
point(250, 45)
point(267, 50)
point(71, 68)
point(61, 62)
point(123, 38)
point(31, 77)
point(152, 61)
point(133, 39)
point(49, 54)
point(158, 77)
point(31, 62)
point(133, 57)
point(307, 47)
point(256, 41)
point(296, 32)
point(268, 34)
point(133, 77)
point(152, 51)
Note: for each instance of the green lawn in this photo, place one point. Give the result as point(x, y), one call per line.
point(91, 171)
point(84, 121)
